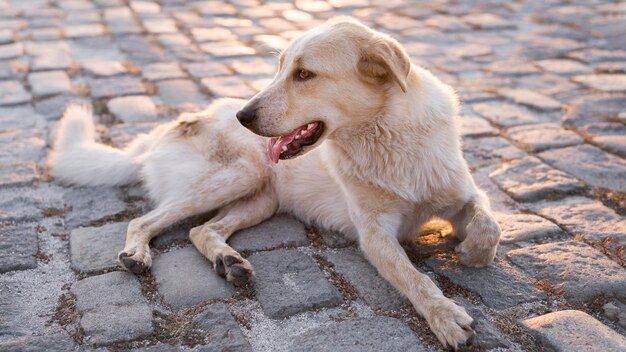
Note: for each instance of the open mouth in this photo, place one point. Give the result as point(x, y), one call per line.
point(289, 146)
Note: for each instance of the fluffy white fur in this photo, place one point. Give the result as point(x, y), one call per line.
point(388, 161)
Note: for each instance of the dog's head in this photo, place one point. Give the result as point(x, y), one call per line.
point(335, 75)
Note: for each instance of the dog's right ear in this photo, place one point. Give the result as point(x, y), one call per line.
point(383, 59)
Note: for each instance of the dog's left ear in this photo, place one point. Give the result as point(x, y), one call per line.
point(383, 59)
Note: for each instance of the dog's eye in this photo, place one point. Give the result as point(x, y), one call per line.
point(303, 75)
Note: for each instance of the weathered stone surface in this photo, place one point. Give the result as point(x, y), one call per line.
point(505, 114)
point(573, 330)
point(59, 342)
point(471, 126)
point(525, 227)
point(227, 87)
point(10, 51)
point(104, 68)
point(487, 282)
point(359, 335)
point(124, 133)
point(532, 99)
point(223, 333)
point(200, 70)
point(90, 204)
point(374, 290)
point(616, 311)
point(94, 249)
point(500, 201)
point(164, 70)
point(52, 108)
point(539, 137)
point(17, 207)
point(18, 173)
point(562, 66)
point(103, 300)
point(289, 282)
point(487, 334)
point(334, 239)
point(281, 231)
point(12, 92)
point(186, 278)
point(18, 246)
point(578, 269)
point(610, 83)
point(484, 151)
point(115, 87)
point(138, 108)
point(180, 91)
point(48, 83)
point(592, 165)
point(528, 179)
point(584, 216)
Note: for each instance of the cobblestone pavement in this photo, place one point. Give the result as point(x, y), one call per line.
point(544, 130)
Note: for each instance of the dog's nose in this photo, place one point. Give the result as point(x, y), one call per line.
point(247, 115)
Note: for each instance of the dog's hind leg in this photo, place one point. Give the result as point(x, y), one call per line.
point(478, 230)
point(210, 238)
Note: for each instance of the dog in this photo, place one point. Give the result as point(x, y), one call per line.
point(349, 136)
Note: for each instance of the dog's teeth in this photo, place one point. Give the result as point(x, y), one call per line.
point(297, 136)
point(284, 148)
point(310, 126)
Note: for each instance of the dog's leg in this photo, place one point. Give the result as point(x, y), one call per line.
point(136, 254)
point(210, 238)
point(478, 230)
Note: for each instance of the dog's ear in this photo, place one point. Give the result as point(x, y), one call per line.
point(384, 59)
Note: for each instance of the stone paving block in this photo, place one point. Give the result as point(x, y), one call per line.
point(505, 114)
point(52, 108)
point(359, 335)
point(227, 87)
point(584, 216)
point(488, 282)
point(281, 231)
point(186, 278)
point(573, 330)
point(83, 30)
point(113, 308)
point(578, 269)
point(17, 173)
point(563, 66)
point(525, 227)
point(226, 49)
point(90, 204)
point(615, 311)
point(487, 150)
point(18, 246)
point(10, 51)
point(590, 164)
point(375, 291)
point(487, 334)
point(59, 342)
point(94, 249)
point(115, 87)
point(528, 179)
point(48, 83)
point(610, 83)
point(104, 68)
point(162, 70)
point(58, 59)
point(17, 207)
point(543, 136)
point(334, 239)
point(289, 282)
point(500, 201)
point(123, 133)
point(471, 126)
point(207, 69)
point(223, 333)
point(12, 92)
point(530, 98)
point(135, 108)
point(180, 91)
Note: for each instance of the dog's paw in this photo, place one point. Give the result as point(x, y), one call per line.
point(451, 324)
point(135, 261)
point(475, 254)
point(234, 268)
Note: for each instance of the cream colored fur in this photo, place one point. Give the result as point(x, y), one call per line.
point(389, 160)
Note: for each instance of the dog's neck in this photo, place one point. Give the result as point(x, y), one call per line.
point(410, 141)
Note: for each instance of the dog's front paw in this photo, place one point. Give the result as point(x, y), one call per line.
point(451, 324)
point(234, 268)
point(475, 254)
point(135, 261)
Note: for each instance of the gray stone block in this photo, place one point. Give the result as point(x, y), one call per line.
point(18, 173)
point(223, 333)
point(590, 164)
point(490, 282)
point(289, 282)
point(137, 108)
point(573, 330)
point(113, 308)
point(359, 335)
point(584, 216)
point(186, 278)
point(578, 269)
point(18, 206)
point(281, 231)
point(89, 204)
point(18, 246)
point(487, 334)
point(12, 92)
point(505, 114)
point(94, 249)
point(529, 179)
point(372, 288)
point(540, 137)
point(488, 150)
point(124, 133)
point(49, 82)
point(59, 342)
point(115, 87)
point(180, 91)
point(525, 227)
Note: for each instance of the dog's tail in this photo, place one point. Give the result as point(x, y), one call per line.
point(77, 158)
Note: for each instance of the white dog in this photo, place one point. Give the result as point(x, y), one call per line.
point(379, 156)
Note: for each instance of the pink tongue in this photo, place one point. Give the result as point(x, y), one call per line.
point(275, 144)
